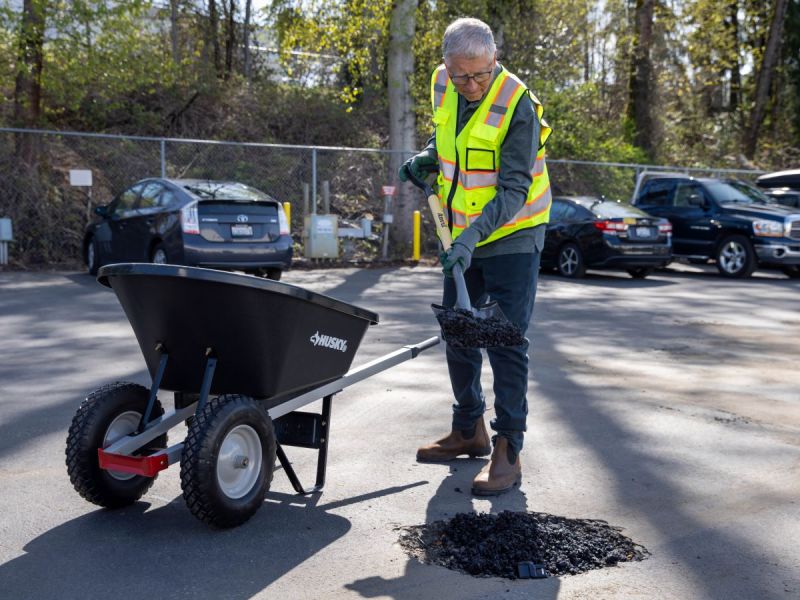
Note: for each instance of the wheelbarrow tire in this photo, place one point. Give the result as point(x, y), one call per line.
point(103, 417)
point(228, 460)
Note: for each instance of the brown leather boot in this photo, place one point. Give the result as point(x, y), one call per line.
point(500, 475)
point(473, 443)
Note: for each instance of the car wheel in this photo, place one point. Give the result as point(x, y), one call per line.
point(640, 272)
point(570, 261)
point(158, 255)
point(92, 256)
point(274, 274)
point(735, 257)
point(791, 271)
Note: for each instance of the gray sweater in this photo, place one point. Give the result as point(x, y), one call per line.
point(517, 155)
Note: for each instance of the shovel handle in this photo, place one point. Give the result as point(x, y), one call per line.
point(462, 296)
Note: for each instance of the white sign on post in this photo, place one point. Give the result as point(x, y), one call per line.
point(80, 177)
point(388, 190)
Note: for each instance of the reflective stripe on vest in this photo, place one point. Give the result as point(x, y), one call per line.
point(484, 134)
point(499, 107)
point(440, 87)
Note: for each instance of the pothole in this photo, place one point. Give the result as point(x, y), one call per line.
point(510, 544)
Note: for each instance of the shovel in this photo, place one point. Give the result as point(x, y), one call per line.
point(464, 326)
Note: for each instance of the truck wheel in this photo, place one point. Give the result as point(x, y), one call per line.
point(570, 261)
point(105, 416)
point(92, 256)
point(640, 272)
point(735, 257)
point(228, 460)
point(158, 255)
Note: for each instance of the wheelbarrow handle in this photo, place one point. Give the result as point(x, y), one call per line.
point(462, 295)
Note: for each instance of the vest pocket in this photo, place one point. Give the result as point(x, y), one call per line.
point(480, 159)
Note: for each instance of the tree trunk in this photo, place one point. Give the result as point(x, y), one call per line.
point(213, 22)
point(28, 83)
point(173, 31)
point(230, 37)
point(246, 41)
point(587, 43)
point(765, 73)
point(736, 75)
point(640, 96)
point(402, 124)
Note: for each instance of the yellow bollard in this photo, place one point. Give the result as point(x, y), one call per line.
point(416, 235)
point(287, 208)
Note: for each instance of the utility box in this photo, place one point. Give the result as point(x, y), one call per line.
point(321, 236)
point(6, 235)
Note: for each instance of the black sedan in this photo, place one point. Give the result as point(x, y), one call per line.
point(215, 224)
point(594, 233)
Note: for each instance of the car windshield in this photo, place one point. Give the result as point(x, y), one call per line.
point(735, 191)
point(213, 190)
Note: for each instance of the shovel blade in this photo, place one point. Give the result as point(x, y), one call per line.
point(480, 327)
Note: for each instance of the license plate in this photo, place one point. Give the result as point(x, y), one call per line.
point(643, 232)
point(242, 230)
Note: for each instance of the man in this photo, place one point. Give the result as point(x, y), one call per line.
point(488, 147)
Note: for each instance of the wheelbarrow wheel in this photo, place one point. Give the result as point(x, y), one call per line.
point(105, 416)
point(228, 460)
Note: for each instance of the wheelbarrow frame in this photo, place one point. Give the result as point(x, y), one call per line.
point(119, 455)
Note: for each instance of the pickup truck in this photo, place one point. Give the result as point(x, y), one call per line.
point(726, 221)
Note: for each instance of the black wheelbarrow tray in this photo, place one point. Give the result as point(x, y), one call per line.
point(241, 354)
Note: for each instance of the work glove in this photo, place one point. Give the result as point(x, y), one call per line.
point(419, 166)
point(460, 252)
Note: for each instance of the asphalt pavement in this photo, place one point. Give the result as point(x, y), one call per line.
point(669, 407)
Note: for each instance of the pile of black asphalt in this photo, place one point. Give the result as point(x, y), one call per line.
point(463, 329)
point(486, 545)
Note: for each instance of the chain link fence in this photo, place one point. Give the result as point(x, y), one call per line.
point(49, 215)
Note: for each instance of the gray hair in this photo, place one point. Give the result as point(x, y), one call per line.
point(468, 38)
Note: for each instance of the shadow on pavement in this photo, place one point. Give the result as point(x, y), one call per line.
point(129, 553)
point(133, 552)
point(419, 580)
point(645, 479)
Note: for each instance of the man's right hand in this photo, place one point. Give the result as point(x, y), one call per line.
point(419, 166)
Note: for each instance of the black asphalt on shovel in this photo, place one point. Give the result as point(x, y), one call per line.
point(464, 326)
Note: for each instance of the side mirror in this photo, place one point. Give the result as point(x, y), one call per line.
point(101, 211)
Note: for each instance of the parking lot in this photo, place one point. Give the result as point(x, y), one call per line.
point(668, 406)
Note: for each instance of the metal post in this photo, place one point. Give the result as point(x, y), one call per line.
point(314, 179)
point(306, 192)
point(415, 242)
point(287, 208)
point(89, 205)
point(326, 197)
point(387, 219)
point(163, 159)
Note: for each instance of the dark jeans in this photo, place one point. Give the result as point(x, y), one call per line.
point(510, 280)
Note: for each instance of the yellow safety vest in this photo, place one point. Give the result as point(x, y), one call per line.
point(477, 148)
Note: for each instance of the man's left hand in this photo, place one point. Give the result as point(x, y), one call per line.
point(460, 252)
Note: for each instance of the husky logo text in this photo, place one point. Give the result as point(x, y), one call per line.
point(328, 341)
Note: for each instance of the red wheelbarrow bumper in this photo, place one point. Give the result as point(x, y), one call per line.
point(148, 466)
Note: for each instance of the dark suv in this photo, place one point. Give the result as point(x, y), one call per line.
point(727, 221)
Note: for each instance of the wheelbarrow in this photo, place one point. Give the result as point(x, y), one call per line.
point(241, 355)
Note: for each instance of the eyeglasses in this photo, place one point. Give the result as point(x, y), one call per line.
point(481, 77)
